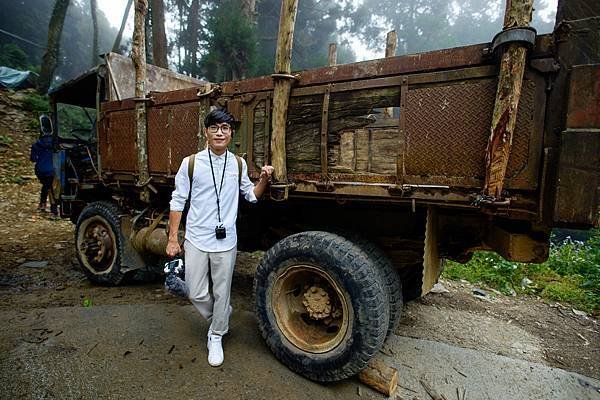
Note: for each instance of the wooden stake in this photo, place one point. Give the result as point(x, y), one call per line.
point(332, 56)
point(391, 42)
point(138, 55)
point(510, 81)
point(282, 87)
point(138, 51)
point(380, 377)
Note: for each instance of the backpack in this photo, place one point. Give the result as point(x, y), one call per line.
point(192, 161)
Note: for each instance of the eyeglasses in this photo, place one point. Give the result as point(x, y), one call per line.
point(215, 128)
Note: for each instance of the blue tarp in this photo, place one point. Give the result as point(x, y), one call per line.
point(15, 79)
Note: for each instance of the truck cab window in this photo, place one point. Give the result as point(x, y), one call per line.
point(76, 124)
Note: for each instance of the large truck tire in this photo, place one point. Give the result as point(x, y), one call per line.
point(99, 243)
point(320, 305)
point(389, 274)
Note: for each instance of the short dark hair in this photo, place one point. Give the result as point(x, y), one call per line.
point(219, 116)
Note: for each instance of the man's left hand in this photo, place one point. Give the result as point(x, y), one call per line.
point(266, 171)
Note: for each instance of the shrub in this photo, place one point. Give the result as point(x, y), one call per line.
point(571, 274)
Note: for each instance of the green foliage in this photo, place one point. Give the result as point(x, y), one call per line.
point(231, 44)
point(5, 140)
point(29, 19)
point(72, 118)
point(36, 103)
point(571, 274)
point(316, 27)
point(12, 56)
point(18, 180)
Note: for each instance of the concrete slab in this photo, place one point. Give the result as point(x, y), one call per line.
point(159, 352)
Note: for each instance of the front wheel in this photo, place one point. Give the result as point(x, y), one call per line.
point(99, 243)
point(321, 305)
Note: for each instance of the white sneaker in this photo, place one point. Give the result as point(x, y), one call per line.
point(215, 350)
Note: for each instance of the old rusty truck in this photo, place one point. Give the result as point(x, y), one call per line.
point(389, 166)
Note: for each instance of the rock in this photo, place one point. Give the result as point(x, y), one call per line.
point(21, 260)
point(35, 264)
point(579, 313)
point(479, 292)
point(526, 282)
point(439, 288)
point(58, 246)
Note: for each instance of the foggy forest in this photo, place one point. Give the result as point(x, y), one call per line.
point(233, 39)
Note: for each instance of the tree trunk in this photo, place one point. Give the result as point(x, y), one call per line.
point(139, 62)
point(117, 43)
point(192, 42)
point(139, 45)
point(50, 58)
point(93, 10)
point(159, 37)
point(282, 87)
point(249, 9)
point(148, 35)
point(510, 80)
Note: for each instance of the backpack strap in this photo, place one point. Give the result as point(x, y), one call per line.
point(191, 162)
point(239, 163)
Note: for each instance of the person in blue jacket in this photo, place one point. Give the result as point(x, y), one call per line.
point(41, 154)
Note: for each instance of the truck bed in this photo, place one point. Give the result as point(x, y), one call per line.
point(430, 146)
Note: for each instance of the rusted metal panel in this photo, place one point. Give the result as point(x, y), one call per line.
point(157, 79)
point(447, 130)
point(584, 97)
point(578, 189)
point(159, 140)
point(183, 130)
point(121, 148)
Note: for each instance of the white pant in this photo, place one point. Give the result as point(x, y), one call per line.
point(214, 307)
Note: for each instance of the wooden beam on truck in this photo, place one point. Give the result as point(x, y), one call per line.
point(282, 80)
point(332, 55)
point(138, 56)
point(391, 42)
point(510, 81)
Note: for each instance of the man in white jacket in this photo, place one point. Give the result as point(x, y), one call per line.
point(210, 231)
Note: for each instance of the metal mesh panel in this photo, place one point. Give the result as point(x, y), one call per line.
point(158, 140)
point(183, 132)
point(103, 142)
point(121, 142)
point(447, 129)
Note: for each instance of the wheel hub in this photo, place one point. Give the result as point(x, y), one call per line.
point(310, 308)
point(317, 303)
point(97, 246)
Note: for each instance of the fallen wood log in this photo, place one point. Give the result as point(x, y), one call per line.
point(380, 377)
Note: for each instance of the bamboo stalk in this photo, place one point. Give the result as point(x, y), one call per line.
point(510, 81)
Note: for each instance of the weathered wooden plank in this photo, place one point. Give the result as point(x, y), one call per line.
point(510, 81)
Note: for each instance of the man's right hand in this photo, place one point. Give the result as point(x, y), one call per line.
point(173, 248)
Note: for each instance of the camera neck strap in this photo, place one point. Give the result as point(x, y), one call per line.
point(218, 192)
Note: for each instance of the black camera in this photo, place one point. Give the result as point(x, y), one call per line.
point(220, 232)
